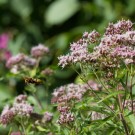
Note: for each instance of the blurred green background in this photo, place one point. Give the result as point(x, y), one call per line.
point(55, 23)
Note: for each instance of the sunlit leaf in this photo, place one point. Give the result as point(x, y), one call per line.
point(61, 10)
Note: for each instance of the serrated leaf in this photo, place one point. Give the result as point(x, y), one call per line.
point(61, 10)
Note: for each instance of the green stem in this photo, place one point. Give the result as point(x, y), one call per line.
point(121, 114)
point(126, 88)
point(100, 81)
point(23, 128)
point(38, 101)
point(131, 94)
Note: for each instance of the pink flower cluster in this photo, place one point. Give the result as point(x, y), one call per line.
point(19, 109)
point(39, 51)
point(66, 118)
point(79, 50)
point(7, 116)
point(47, 117)
point(68, 92)
point(115, 48)
point(47, 72)
point(5, 54)
point(64, 96)
point(21, 61)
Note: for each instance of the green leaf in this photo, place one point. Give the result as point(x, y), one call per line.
point(10, 131)
point(22, 7)
point(42, 129)
point(111, 95)
point(132, 120)
point(15, 45)
point(61, 10)
point(31, 88)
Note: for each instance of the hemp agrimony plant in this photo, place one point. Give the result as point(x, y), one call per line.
point(111, 61)
point(104, 103)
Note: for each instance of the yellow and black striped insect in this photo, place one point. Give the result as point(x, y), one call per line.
point(32, 80)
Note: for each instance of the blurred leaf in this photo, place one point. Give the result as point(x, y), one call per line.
point(64, 73)
point(3, 2)
point(22, 7)
point(14, 46)
point(62, 41)
point(130, 8)
point(42, 129)
point(4, 93)
point(61, 10)
point(32, 100)
point(31, 88)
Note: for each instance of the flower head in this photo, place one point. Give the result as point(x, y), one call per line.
point(7, 116)
point(39, 51)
